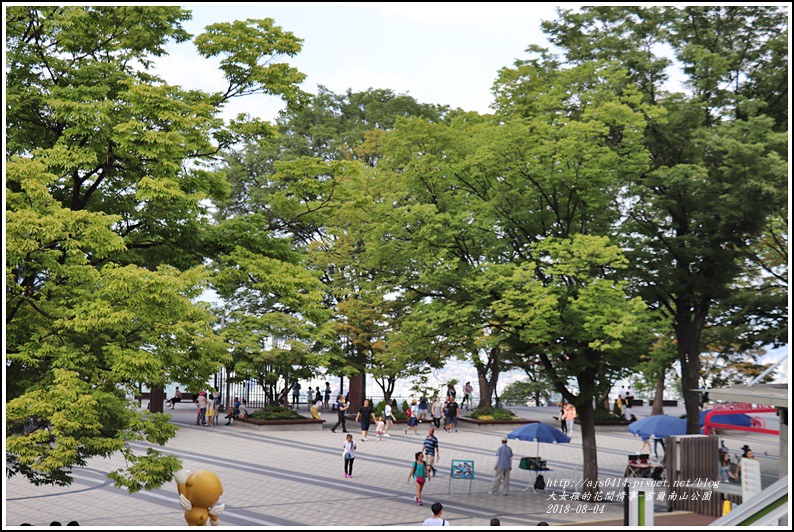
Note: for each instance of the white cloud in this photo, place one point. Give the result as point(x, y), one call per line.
point(453, 14)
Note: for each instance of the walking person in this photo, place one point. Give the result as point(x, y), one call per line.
point(445, 413)
point(570, 415)
point(452, 409)
point(365, 416)
point(656, 443)
point(388, 416)
point(349, 455)
point(380, 428)
point(422, 409)
point(646, 444)
point(341, 410)
point(296, 393)
point(412, 419)
point(309, 398)
point(419, 474)
point(504, 463)
point(467, 398)
point(431, 451)
point(435, 411)
point(201, 405)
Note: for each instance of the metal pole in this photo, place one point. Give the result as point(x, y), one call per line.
point(626, 504)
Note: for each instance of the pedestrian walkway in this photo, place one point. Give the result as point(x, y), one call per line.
point(295, 478)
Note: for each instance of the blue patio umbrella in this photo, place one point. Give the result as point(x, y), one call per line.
point(539, 432)
point(658, 427)
point(727, 418)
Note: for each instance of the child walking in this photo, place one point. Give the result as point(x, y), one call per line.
point(380, 428)
point(419, 474)
point(350, 455)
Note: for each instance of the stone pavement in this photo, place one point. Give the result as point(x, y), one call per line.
point(294, 478)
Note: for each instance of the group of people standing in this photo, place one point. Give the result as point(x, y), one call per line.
point(446, 412)
point(209, 407)
point(315, 398)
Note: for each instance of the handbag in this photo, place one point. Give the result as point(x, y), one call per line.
point(346, 455)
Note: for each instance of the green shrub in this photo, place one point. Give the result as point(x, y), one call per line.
point(498, 414)
point(273, 412)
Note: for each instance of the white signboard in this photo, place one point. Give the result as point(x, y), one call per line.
point(751, 478)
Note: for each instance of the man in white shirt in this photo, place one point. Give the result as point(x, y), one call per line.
point(436, 520)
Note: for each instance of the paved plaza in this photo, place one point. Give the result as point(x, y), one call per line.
point(295, 478)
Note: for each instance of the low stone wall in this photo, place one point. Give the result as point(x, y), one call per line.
point(281, 424)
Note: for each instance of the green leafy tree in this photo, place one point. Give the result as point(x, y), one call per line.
point(110, 178)
point(494, 226)
point(80, 339)
point(523, 391)
point(717, 158)
point(303, 187)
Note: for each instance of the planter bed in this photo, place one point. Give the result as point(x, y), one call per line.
point(487, 424)
point(281, 424)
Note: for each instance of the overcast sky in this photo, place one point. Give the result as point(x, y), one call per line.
point(439, 53)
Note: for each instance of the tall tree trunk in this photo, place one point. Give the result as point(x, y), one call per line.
point(487, 385)
point(585, 408)
point(156, 399)
point(586, 411)
point(688, 335)
point(589, 455)
point(658, 404)
point(358, 392)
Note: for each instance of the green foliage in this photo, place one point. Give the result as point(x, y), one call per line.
point(110, 178)
point(274, 412)
point(520, 391)
point(714, 180)
point(498, 414)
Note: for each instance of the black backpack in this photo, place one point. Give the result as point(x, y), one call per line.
point(540, 483)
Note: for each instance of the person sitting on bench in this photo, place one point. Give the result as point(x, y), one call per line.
point(177, 398)
point(234, 411)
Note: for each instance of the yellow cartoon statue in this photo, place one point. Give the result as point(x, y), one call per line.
point(199, 493)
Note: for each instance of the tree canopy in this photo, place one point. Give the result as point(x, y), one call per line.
point(110, 173)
